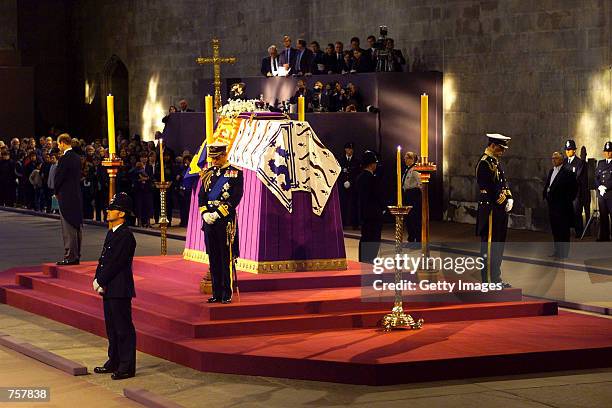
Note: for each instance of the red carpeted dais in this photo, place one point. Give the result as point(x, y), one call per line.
point(315, 326)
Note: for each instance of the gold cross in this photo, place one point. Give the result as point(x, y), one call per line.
point(216, 60)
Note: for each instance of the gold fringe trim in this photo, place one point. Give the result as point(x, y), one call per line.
point(247, 265)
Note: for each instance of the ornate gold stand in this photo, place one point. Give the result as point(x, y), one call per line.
point(163, 219)
point(112, 165)
point(426, 169)
point(397, 319)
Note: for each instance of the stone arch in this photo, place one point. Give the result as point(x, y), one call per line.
point(115, 81)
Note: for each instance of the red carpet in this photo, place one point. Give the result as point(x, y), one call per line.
point(313, 325)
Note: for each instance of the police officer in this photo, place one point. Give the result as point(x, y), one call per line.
point(577, 166)
point(371, 208)
point(603, 184)
point(494, 204)
point(219, 196)
point(114, 281)
point(346, 184)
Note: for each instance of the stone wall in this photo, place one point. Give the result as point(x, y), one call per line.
point(8, 24)
point(535, 70)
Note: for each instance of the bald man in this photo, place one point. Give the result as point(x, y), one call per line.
point(559, 192)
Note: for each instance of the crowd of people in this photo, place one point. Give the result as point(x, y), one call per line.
point(27, 169)
point(309, 59)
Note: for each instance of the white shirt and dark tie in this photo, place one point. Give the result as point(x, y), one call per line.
point(274, 66)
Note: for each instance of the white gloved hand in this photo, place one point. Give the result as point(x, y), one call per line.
point(96, 285)
point(602, 190)
point(100, 290)
point(509, 204)
point(210, 218)
point(207, 217)
point(347, 184)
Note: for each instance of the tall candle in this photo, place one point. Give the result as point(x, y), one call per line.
point(110, 113)
point(208, 104)
point(399, 176)
point(301, 110)
point(424, 127)
point(161, 160)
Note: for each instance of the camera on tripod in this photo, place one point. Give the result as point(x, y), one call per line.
point(381, 53)
point(380, 43)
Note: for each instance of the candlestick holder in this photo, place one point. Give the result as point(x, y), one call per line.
point(163, 219)
point(112, 165)
point(426, 169)
point(397, 319)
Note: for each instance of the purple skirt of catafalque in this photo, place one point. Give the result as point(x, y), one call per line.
point(271, 238)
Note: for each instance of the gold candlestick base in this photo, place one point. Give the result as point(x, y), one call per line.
point(397, 319)
point(163, 219)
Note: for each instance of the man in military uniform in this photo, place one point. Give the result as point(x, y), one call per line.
point(574, 164)
point(494, 204)
point(603, 184)
point(115, 282)
point(371, 208)
point(219, 196)
point(347, 188)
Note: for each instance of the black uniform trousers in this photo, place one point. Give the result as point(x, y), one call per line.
point(349, 206)
point(492, 270)
point(581, 203)
point(605, 212)
point(215, 238)
point(369, 243)
point(121, 335)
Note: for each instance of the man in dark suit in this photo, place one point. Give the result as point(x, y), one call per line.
point(603, 185)
point(574, 164)
point(270, 64)
point(303, 61)
point(115, 282)
point(371, 208)
point(288, 55)
point(559, 192)
point(184, 107)
point(318, 59)
point(339, 65)
point(347, 186)
point(67, 186)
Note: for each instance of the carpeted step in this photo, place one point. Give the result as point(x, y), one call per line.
point(168, 319)
point(176, 268)
point(372, 319)
point(142, 311)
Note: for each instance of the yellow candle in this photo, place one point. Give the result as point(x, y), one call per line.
point(161, 160)
point(208, 104)
point(301, 110)
point(424, 127)
point(110, 113)
point(399, 176)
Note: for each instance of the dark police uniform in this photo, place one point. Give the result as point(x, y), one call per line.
point(582, 200)
point(603, 177)
point(371, 208)
point(114, 275)
point(348, 199)
point(492, 219)
point(219, 196)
